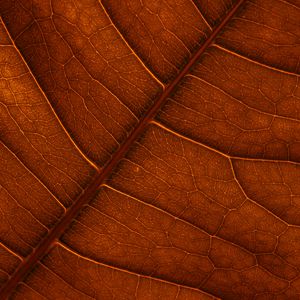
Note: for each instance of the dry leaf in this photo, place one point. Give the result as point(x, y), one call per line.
point(150, 149)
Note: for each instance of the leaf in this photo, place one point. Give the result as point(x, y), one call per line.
point(150, 149)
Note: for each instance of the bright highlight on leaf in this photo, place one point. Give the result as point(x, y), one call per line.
point(150, 149)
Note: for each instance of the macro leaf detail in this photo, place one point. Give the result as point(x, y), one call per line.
point(150, 149)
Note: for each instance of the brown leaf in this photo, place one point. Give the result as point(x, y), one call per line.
point(150, 149)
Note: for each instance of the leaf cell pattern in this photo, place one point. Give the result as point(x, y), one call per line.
point(150, 149)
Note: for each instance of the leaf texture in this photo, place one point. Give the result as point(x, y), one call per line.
point(150, 149)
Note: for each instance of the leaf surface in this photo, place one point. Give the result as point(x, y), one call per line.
point(149, 149)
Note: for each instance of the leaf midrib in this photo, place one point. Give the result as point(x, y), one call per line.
point(54, 234)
